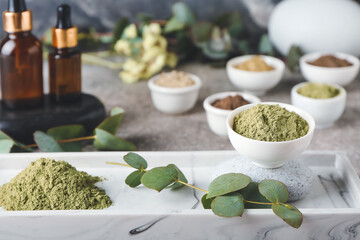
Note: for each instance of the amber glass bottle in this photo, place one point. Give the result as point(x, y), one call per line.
point(21, 59)
point(64, 59)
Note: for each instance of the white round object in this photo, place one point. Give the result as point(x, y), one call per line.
point(324, 111)
point(316, 25)
point(270, 154)
point(216, 117)
point(332, 75)
point(174, 100)
point(256, 83)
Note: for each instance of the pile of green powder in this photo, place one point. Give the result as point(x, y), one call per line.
point(318, 90)
point(52, 185)
point(270, 123)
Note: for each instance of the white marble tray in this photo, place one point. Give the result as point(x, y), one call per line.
point(331, 210)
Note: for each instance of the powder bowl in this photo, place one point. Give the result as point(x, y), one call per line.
point(270, 154)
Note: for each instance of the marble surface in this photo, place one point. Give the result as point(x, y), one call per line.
point(152, 130)
point(331, 210)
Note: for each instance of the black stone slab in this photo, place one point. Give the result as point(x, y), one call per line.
point(21, 124)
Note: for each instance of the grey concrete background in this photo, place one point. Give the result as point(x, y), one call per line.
point(152, 130)
point(103, 14)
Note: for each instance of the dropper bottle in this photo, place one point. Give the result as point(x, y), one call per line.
point(21, 59)
point(64, 59)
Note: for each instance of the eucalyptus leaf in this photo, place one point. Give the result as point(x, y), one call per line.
point(290, 214)
point(206, 202)
point(6, 143)
point(274, 191)
point(46, 143)
point(231, 21)
point(112, 123)
point(183, 13)
point(230, 205)
point(134, 178)
point(173, 25)
point(265, 46)
point(180, 176)
point(201, 32)
point(135, 160)
point(293, 57)
point(19, 147)
point(227, 183)
point(68, 132)
point(106, 141)
point(251, 193)
point(159, 178)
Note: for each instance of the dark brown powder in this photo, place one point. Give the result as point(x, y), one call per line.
point(230, 102)
point(330, 61)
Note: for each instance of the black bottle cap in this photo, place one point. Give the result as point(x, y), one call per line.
point(63, 17)
point(17, 6)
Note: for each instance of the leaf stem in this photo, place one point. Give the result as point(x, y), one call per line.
point(186, 184)
point(63, 141)
point(120, 164)
point(260, 203)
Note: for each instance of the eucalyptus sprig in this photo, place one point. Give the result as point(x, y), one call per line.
point(227, 195)
point(68, 138)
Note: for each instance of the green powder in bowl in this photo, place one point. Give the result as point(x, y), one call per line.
point(52, 185)
point(318, 90)
point(270, 123)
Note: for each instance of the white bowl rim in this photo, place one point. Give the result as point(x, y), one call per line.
point(311, 123)
point(208, 107)
point(176, 90)
point(280, 65)
point(314, 55)
point(324, 100)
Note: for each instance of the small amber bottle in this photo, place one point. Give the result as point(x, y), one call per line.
point(64, 59)
point(21, 59)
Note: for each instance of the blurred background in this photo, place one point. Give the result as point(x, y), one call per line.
point(102, 15)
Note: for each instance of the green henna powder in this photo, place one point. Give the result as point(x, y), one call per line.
point(318, 90)
point(52, 185)
point(270, 123)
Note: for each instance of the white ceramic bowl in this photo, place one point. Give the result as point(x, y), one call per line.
point(270, 154)
point(324, 111)
point(337, 75)
point(256, 83)
point(174, 100)
point(216, 117)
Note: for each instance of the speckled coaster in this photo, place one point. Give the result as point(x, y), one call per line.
point(297, 177)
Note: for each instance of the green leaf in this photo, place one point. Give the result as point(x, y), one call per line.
point(107, 141)
point(19, 147)
point(46, 143)
point(68, 132)
point(232, 21)
point(227, 183)
point(201, 32)
point(118, 30)
point(183, 13)
point(251, 193)
point(112, 123)
point(244, 46)
point(143, 17)
point(173, 25)
point(6, 143)
point(134, 179)
point(265, 46)
point(180, 176)
point(230, 205)
point(293, 57)
point(290, 214)
point(159, 178)
point(274, 191)
point(206, 202)
point(135, 160)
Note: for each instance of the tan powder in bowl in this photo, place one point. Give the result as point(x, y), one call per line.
point(174, 79)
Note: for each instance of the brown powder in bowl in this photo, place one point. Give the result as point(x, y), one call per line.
point(174, 79)
point(330, 61)
point(230, 102)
